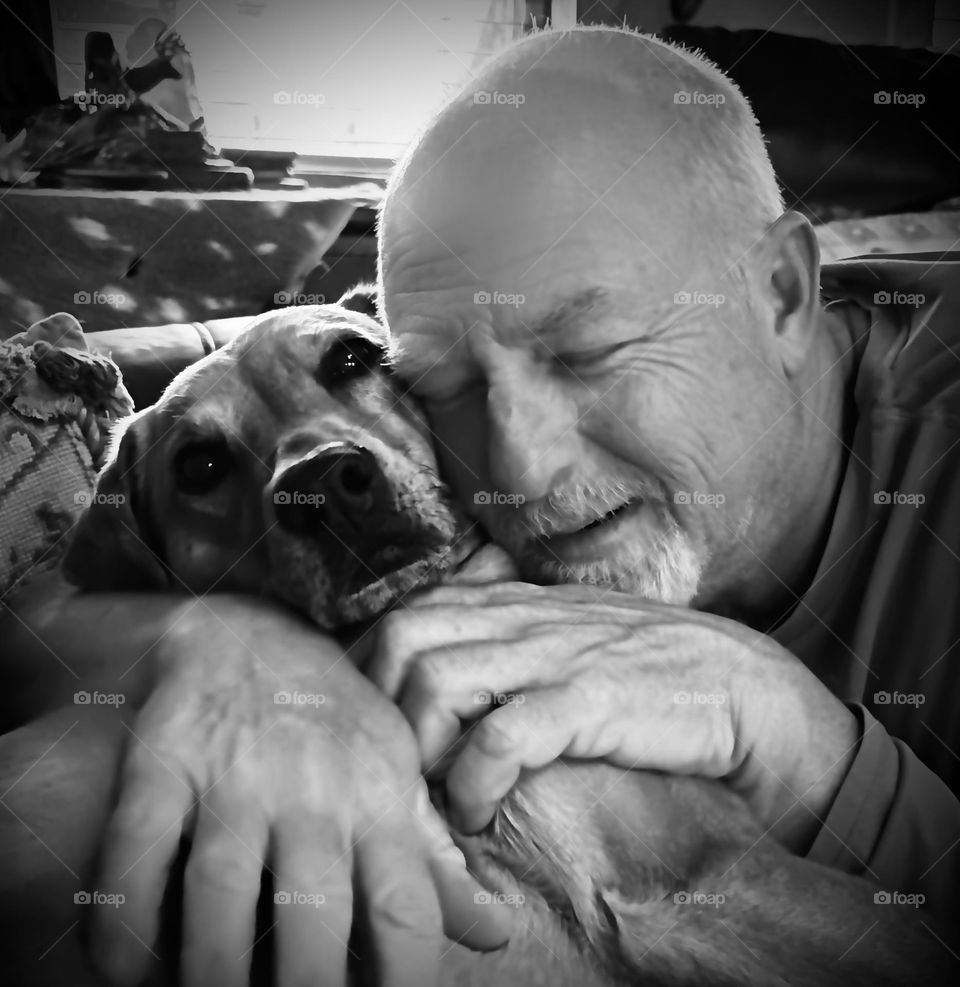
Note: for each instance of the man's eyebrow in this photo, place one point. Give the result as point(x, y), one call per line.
point(572, 312)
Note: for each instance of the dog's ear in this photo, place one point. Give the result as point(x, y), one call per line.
point(362, 298)
point(110, 546)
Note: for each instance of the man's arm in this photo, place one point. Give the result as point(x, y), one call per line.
point(894, 821)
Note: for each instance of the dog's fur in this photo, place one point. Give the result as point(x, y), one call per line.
point(628, 877)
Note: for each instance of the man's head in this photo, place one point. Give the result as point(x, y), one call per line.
point(593, 290)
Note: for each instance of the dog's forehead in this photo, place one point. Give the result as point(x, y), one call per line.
point(301, 333)
point(272, 361)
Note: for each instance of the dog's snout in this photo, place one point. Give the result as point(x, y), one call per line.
point(336, 487)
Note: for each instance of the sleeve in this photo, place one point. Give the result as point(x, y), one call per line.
point(896, 823)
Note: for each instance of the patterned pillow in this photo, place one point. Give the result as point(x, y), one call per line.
point(57, 402)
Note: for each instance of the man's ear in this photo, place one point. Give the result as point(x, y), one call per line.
point(110, 547)
point(791, 282)
point(362, 298)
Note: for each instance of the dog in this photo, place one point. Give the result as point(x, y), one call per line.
point(291, 463)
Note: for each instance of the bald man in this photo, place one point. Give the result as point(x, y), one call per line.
point(637, 385)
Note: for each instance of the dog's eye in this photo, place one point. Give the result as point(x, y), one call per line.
point(350, 358)
point(200, 467)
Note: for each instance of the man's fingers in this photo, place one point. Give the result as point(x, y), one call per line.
point(313, 902)
point(469, 917)
point(401, 902)
point(528, 732)
point(221, 888)
point(140, 844)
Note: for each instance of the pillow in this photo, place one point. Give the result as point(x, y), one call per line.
point(57, 403)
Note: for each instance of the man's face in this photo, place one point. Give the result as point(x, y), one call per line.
point(603, 427)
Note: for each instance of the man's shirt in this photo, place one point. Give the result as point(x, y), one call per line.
point(880, 623)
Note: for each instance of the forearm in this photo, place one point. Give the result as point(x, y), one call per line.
point(896, 823)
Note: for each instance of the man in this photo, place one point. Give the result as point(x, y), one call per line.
point(610, 321)
point(612, 326)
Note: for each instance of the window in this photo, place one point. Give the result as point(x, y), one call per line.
point(349, 78)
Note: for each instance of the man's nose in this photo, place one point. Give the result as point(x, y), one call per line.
point(534, 441)
point(336, 487)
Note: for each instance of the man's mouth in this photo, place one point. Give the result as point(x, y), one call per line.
point(596, 538)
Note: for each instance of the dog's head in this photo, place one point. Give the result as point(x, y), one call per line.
point(288, 463)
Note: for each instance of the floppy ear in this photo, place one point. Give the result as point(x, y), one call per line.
point(361, 298)
point(110, 549)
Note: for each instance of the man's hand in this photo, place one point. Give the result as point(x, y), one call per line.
point(264, 744)
point(591, 673)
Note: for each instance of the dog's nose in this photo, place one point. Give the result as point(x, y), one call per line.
point(336, 487)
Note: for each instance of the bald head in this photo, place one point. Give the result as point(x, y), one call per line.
point(609, 120)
